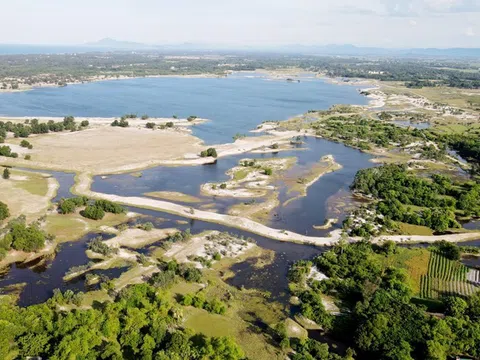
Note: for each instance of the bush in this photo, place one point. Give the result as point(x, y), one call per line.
point(25, 238)
point(148, 226)
point(4, 212)
point(121, 123)
point(191, 118)
point(209, 152)
point(93, 212)
point(97, 245)
point(6, 174)
point(109, 206)
point(150, 125)
point(84, 123)
point(268, 171)
point(217, 256)
point(68, 206)
point(26, 144)
point(28, 157)
point(223, 186)
point(145, 117)
point(169, 124)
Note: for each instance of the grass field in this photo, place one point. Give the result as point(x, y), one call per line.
point(35, 184)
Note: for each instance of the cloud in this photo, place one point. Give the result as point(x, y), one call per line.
point(429, 7)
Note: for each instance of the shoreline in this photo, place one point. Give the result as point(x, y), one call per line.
point(82, 187)
point(99, 78)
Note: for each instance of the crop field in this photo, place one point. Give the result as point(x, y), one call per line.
point(447, 277)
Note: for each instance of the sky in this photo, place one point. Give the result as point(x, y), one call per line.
point(382, 23)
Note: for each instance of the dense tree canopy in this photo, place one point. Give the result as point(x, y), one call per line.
point(142, 323)
point(379, 319)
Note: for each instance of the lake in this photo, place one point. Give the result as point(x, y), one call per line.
point(235, 104)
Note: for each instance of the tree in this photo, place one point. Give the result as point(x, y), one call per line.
point(6, 174)
point(209, 152)
point(93, 212)
point(4, 212)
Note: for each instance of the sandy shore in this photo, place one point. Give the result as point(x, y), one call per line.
point(83, 188)
point(95, 121)
point(97, 78)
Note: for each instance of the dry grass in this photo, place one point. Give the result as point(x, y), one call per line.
point(109, 149)
point(27, 193)
point(73, 226)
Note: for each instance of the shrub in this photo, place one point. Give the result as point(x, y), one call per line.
point(217, 256)
point(84, 123)
point(4, 212)
point(25, 144)
point(145, 117)
point(148, 226)
point(274, 146)
point(97, 245)
point(191, 118)
point(6, 174)
point(68, 206)
point(209, 152)
point(268, 171)
point(150, 125)
point(169, 124)
point(93, 212)
point(223, 186)
point(28, 157)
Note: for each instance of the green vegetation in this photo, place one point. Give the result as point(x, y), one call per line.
point(97, 245)
point(198, 300)
point(445, 277)
point(150, 125)
point(268, 171)
point(141, 323)
point(7, 152)
point(191, 118)
point(4, 212)
point(379, 317)
point(122, 123)
point(33, 126)
point(24, 143)
point(69, 206)
point(6, 173)
point(94, 210)
point(209, 152)
point(404, 197)
point(23, 237)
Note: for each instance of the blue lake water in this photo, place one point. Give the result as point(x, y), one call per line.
point(235, 104)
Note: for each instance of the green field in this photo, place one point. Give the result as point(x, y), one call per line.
point(445, 277)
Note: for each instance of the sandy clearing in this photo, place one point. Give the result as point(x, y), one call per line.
point(174, 196)
point(207, 243)
point(137, 238)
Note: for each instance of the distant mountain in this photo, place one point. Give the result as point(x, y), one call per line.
point(108, 43)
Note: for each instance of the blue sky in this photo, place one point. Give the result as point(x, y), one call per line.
point(386, 23)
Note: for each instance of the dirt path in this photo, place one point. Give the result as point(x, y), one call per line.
point(83, 188)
